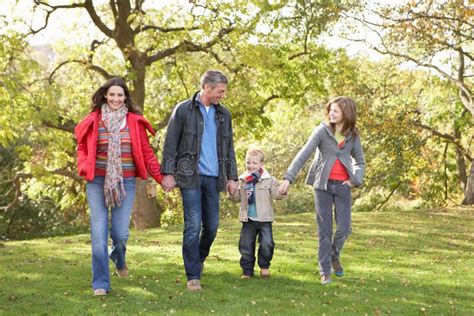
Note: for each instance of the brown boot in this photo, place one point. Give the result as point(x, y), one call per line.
point(265, 273)
point(100, 292)
point(325, 279)
point(122, 273)
point(194, 285)
point(338, 269)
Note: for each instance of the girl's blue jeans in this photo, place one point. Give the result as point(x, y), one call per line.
point(119, 229)
point(330, 245)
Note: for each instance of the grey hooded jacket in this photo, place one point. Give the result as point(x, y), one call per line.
point(325, 148)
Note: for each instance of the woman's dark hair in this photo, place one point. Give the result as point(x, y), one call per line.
point(98, 99)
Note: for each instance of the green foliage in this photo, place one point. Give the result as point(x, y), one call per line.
point(280, 79)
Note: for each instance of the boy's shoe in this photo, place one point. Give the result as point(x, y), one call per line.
point(194, 285)
point(338, 270)
point(122, 273)
point(325, 279)
point(100, 292)
point(245, 276)
point(265, 273)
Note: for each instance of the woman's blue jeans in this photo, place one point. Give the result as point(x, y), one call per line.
point(119, 229)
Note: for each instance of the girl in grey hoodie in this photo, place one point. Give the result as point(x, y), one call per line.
point(338, 167)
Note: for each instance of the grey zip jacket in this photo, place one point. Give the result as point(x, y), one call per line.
point(325, 148)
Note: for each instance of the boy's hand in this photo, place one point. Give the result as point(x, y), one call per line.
point(284, 187)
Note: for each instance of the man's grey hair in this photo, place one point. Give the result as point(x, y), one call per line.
point(213, 77)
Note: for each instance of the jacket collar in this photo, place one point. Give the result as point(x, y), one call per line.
point(83, 127)
point(265, 175)
point(194, 103)
point(328, 130)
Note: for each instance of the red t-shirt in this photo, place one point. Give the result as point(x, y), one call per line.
point(338, 171)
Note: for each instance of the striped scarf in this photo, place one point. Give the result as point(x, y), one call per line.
point(250, 182)
point(114, 191)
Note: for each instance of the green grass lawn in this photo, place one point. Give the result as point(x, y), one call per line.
point(404, 263)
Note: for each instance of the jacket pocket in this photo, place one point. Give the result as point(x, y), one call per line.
point(186, 164)
point(188, 141)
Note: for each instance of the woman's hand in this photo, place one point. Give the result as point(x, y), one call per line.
point(284, 187)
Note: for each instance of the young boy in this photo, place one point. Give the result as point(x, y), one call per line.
point(256, 190)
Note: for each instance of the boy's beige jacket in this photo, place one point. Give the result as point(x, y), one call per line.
point(265, 190)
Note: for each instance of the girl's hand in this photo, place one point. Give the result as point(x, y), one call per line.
point(348, 183)
point(284, 187)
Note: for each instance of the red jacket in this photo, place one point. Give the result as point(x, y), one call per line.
point(87, 132)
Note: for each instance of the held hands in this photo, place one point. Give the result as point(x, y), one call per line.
point(168, 183)
point(231, 186)
point(284, 187)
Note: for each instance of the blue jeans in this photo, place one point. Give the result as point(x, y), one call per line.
point(330, 246)
point(201, 219)
point(248, 237)
point(119, 228)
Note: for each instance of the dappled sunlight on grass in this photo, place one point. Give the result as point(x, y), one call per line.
point(408, 263)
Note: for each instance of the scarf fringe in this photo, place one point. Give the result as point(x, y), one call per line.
point(115, 196)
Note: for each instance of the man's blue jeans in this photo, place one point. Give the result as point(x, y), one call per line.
point(119, 228)
point(201, 219)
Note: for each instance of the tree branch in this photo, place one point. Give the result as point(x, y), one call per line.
point(17, 184)
point(67, 126)
point(165, 29)
point(448, 137)
point(67, 173)
point(86, 63)
point(51, 11)
point(89, 6)
point(188, 46)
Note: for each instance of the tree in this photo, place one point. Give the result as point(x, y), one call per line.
point(199, 27)
point(142, 43)
point(436, 36)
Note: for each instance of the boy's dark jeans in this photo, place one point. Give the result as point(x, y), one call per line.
point(248, 235)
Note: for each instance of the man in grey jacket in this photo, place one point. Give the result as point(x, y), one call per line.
point(199, 158)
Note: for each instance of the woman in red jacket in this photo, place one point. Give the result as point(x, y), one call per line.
point(112, 150)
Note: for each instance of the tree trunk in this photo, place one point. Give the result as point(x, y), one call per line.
point(146, 213)
point(469, 192)
point(460, 160)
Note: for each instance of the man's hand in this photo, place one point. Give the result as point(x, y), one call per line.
point(284, 187)
point(231, 186)
point(168, 182)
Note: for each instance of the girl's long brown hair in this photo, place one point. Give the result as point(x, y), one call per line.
point(349, 114)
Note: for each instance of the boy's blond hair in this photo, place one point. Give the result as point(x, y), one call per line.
point(257, 152)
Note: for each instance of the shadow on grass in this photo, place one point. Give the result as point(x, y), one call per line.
point(421, 265)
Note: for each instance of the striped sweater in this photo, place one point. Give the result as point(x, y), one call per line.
point(128, 166)
point(324, 146)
